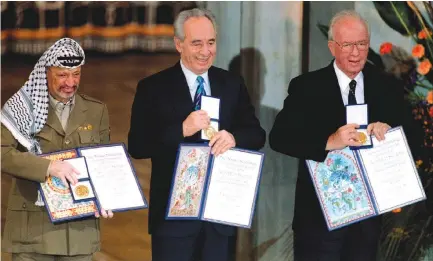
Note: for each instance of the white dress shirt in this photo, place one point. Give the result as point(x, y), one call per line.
point(191, 79)
point(344, 80)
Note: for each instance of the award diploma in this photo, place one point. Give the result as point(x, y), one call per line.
point(107, 180)
point(219, 189)
point(353, 185)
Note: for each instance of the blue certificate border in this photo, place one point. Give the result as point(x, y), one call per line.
point(47, 206)
point(256, 191)
point(146, 205)
point(181, 145)
point(360, 160)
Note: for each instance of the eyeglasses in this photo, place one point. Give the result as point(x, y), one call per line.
point(348, 47)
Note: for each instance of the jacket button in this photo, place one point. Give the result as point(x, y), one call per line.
point(24, 205)
point(67, 142)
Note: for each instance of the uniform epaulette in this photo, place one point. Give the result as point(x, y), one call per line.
point(88, 98)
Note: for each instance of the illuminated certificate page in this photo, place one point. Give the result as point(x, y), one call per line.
point(391, 172)
point(233, 187)
point(113, 178)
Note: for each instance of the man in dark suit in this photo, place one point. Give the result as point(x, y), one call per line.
point(164, 114)
point(313, 122)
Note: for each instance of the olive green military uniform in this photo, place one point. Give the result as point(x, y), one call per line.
point(28, 227)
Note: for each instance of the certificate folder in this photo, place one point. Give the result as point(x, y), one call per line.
point(353, 185)
point(111, 181)
point(219, 189)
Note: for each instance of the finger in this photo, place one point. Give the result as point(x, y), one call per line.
point(351, 126)
point(220, 146)
point(370, 128)
point(104, 213)
point(74, 170)
point(214, 139)
point(381, 132)
point(226, 148)
point(64, 181)
point(71, 178)
point(97, 214)
point(354, 143)
point(215, 147)
point(353, 136)
point(110, 214)
point(201, 112)
point(376, 134)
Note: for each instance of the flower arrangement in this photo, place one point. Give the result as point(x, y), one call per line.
point(407, 233)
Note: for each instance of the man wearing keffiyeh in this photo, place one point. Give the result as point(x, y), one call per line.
point(47, 115)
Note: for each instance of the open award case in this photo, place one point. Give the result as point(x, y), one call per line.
point(359, 114)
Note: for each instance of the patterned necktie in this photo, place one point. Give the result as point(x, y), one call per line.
point(352, 98)
point(200, 92)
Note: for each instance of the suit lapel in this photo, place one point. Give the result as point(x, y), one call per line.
point(334, 99)
point(54, 122)
point(368, 85)
point(179, 86)
point(77, 116)
point(215, 82)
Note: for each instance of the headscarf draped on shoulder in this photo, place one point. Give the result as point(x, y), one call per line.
point(26, 112)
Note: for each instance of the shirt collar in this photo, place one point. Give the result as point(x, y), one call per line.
point(191, 77)
point(344, 80)
point(55, 103)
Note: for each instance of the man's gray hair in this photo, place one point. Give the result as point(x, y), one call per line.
point(186, 14)
point(345, 14)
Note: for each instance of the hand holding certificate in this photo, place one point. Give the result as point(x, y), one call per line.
point(219, 189)
point(107, 181)
point(353, 185)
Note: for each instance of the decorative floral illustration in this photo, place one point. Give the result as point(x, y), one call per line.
point(189, 182)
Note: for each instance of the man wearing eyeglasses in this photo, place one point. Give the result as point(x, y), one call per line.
point(313, 122)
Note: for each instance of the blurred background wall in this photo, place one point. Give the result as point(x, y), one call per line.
point(116, 26)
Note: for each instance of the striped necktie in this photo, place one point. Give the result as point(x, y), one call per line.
point(352, 97)
point(200, 92)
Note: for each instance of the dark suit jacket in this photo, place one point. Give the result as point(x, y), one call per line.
point(314, 110)
point(161, 104)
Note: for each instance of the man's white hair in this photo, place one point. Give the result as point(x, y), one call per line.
point(185, 15)
point(345, 14)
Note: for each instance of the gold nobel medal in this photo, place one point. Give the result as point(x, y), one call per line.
point(362, 137)
point(82, 191)
point(210, 132)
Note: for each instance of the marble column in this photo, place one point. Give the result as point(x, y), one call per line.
point(262, 42)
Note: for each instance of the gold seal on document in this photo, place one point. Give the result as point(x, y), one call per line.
point(82, 191)
point(362, 137)
point(210, 132)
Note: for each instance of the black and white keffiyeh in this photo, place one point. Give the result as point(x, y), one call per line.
point(26, 112)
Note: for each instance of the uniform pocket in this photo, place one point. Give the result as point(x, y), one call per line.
point(89, 137)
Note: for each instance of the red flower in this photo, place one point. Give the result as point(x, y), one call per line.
point(429, 97)
point(423, 34)
point(430, 111)
point(385, 48)
point(418, 51)
point(424, 67)
point(349, 190)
